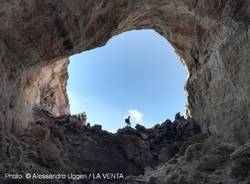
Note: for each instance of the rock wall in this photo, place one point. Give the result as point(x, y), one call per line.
point(52, 145)
point(42, 86)
point(171, 152)
point(48, 91)
point(211, 37)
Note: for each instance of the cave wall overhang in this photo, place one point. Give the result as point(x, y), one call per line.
point(211, 37)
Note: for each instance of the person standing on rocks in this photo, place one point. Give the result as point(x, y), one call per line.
point(127, 121)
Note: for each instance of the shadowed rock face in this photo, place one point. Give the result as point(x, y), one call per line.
point(64, 145)
point(211, 37)
point(171, 152)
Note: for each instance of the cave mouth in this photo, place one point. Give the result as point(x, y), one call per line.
point(136, 73)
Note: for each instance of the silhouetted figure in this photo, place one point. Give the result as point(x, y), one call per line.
point(127, 121)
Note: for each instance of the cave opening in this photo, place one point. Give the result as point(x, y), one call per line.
point(136, 73)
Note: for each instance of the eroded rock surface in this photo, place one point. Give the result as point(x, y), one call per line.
point(64, 145)
point(172, 152)
point(48, 91)
point(211, 37)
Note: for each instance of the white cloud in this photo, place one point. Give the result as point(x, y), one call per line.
point(135, 115)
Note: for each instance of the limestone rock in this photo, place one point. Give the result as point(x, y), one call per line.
point(48, 91)
point(212, 39)
point(211, 163)
point(193, 151)
point(49, 155)
point(242, 154)
point(57, 145)
point(61, 147)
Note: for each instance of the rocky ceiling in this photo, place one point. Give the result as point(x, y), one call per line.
point(211, 37)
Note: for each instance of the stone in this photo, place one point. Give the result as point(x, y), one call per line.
point(167, 123)
point(140, 128)
point(37, 38)
point(178, 117)
point(211, 163)
point(193, 151)
point(168, 152)
point(89, 149)
point(224, 149)
point(211, 38)
point(242, 155)
point(41, 134)
point(136, 149)
point(49, 155)
point(97, 128)
point(238, 171)
point(51, 83)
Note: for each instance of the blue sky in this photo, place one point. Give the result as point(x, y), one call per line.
point(136, 73)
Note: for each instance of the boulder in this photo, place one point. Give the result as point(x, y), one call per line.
point(49, 155)
point(242, 155)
